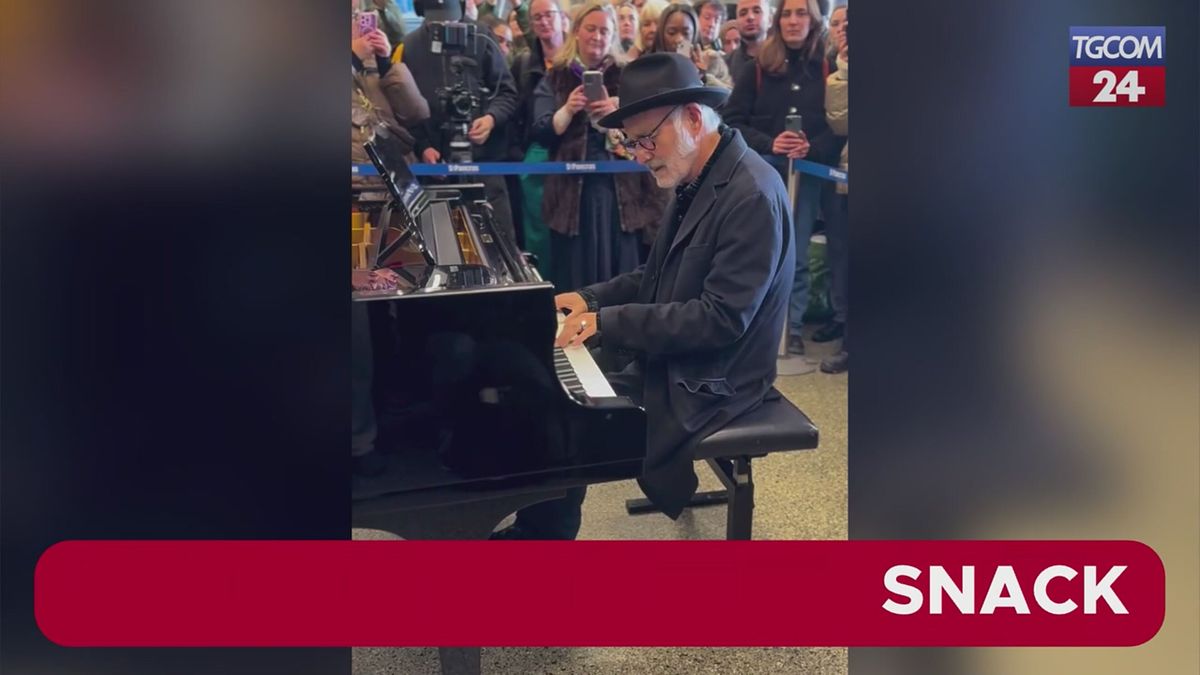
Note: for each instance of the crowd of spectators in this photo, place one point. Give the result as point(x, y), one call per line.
point(786, 62)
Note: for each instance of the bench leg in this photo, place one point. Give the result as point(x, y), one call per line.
point(738, 494)
point(739, 516)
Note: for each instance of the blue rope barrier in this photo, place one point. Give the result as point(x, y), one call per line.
point(511, 168)
point(558, 168)
point(821, 171)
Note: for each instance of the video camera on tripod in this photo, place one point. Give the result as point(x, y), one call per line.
point(455, 42)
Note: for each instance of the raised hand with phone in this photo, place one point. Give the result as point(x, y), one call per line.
point(792, 141)
point(577, 101)
point(678, 32)
point(595, 222)
point(383, 94)
point(367, 41)
point(599, 102)
point(366, 22)
point(787, 78)
point(839, 30)
point(592, 42)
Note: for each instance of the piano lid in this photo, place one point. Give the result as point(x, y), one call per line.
point(408, 199)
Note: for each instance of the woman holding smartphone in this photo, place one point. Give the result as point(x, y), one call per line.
point(678, 31)
point(788, 80)
point(594, 219)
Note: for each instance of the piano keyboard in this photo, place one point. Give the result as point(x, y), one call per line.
point(577, 370)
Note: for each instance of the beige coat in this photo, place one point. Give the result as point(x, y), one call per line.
point(392, 100)
point(837, 111)
point(716, 71)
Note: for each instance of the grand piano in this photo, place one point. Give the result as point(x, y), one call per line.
point(476, 413)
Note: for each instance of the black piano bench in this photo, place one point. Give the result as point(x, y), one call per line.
point(775, 426)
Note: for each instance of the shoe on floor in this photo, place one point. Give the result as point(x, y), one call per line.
point(795, 344)
point(512, 533)
point(829, 332)
point(838, 363)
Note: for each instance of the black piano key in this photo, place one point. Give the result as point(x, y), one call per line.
point(566, 373)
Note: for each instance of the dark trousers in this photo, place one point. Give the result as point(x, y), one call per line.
point(362, 408)
point(804, 217)
point(837, 234)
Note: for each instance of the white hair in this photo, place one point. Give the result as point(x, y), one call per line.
point(709, 122)
point(671, 166)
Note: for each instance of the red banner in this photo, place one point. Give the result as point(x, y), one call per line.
point(593, 593)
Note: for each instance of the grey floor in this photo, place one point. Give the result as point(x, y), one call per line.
point(800, 495)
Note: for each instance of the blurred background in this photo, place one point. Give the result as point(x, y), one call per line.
point(1025, 276)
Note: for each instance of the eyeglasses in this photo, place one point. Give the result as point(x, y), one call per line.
point(544, 15)
point(646, 142)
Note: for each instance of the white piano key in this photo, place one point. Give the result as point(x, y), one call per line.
point(589, 374)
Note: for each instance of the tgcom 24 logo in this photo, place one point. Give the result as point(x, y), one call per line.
point(1118, 66)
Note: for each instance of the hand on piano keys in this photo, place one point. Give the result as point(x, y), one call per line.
point(576, 330)
point(577, 370)
point(579, 324)
point(570, 302)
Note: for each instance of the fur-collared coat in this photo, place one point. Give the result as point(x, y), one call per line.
point(639, 200)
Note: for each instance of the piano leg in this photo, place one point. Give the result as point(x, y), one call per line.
point(460, 660)
point(463, 521)
point(459, 521)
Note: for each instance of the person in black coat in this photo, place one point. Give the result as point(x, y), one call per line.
point(788, 78)
point(486, 68)
point(530, 67)
point(752, 19)
point(705, 312)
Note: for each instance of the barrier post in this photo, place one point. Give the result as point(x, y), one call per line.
point(785, 363)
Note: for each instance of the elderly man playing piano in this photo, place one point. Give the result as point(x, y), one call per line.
point(705, 313)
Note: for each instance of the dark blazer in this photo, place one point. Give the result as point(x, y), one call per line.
point(527, 70)
point(705, 314)
point(759, 106)
point(739, 58)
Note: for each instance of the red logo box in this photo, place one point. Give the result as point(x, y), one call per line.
point(1118, 86)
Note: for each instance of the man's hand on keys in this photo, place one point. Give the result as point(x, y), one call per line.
point(572, 302)
point(578, 327)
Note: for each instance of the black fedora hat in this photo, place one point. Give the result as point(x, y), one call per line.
point(657, 80)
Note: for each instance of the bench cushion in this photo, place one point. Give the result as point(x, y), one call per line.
point(774, 426)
